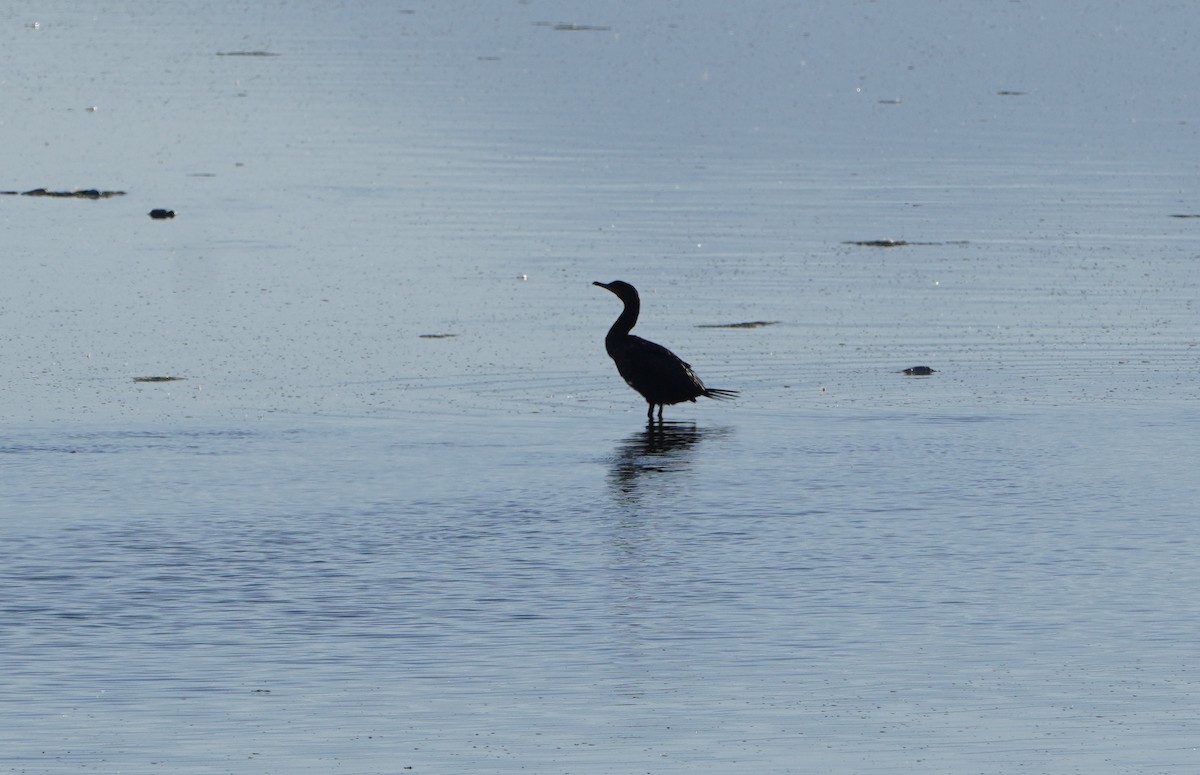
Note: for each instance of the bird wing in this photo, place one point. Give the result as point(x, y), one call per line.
point(657, 373)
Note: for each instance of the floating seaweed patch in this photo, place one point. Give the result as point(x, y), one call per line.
point(567, 27)
point(897, 243)
point(85, 193)
point(747, 324)
point(878, 243)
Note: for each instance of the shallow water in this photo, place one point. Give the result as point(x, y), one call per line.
point(399, 511)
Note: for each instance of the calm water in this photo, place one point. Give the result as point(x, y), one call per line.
point(400, 513)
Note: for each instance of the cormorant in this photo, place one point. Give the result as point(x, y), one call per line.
point(651, 369)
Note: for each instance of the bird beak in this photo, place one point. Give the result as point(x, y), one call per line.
point(602, 285)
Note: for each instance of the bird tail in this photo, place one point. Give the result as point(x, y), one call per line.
point(720, 394)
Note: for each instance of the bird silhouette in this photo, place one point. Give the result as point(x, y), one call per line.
point(660, 375)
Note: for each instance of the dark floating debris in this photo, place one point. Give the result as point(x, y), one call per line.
point(438, 336)
point(157, 379)
point(748, 324)
point(1186, 215)
point(897, 243)
point(565, 27)
point(247, 54)
point(878, 243)
point(158, 215)
point(1010, 93)
point(919, 371)
point(86, 193)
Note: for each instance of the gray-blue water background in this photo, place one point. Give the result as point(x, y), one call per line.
point(399, 513)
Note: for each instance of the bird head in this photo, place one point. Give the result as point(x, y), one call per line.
point(623, 290)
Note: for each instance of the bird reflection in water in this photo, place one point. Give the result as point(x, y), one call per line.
point(660, 447)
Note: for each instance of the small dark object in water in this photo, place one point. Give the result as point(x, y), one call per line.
point(157, 379)
point(437, 336)
point(580, 28)
point(161, 214)
point(747, 324)
point(919, 371)
point(899, 243)
point(650, 369)
point(87, 193)
point(879, 243)
point(568, 27)
point(1186, 215)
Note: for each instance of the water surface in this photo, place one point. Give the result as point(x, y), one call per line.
point(399, 511)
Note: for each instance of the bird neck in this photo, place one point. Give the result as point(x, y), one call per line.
point(627, 320)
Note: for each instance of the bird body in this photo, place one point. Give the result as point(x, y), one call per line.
point(658, 374)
